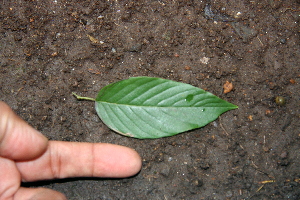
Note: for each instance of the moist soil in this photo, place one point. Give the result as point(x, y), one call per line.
point(49, 49)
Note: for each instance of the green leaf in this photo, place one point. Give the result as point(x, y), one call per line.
point(147, 107)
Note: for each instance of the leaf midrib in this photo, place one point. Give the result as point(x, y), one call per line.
point(233, 106)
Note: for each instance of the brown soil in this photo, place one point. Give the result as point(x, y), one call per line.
point(49, 49)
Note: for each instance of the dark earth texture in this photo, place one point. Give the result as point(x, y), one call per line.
point(51, 48)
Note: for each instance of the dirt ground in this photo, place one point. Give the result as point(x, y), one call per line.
point(51, 48)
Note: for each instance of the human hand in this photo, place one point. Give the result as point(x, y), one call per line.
point(26, 155)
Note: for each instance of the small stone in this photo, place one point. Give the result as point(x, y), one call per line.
point(277, 65)
point(187, 67)
point(283, 154)
point(165, 171)
point(204, 165)
point(135, 47)
point(283, 41)
point(204, 60)
point(227, 87)
point(280, 101)
point(18, 37)
point(229, 193)
point(197, 182)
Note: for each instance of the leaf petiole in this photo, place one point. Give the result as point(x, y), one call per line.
point(83, 98)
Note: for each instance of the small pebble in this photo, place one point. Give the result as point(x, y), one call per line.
point(283, 41)
point(283, 154)
point(280, 101)
point(165, 171)
point(229, 193)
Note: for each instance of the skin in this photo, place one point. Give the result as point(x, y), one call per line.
point(26, 155)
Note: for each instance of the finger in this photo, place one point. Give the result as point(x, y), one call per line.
point(71, 159)
point(10, 185)
point(10, 178)
point(38, 194)
point(18, 140)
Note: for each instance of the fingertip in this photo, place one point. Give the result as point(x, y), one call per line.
point(133, 163)
point(136, 163)
point(115, 161)
point(39, 194)
point(18, 140)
